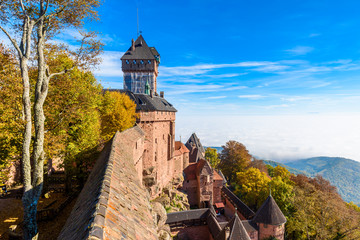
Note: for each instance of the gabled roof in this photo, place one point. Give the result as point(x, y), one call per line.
point(195, 141)
point(180, 148)
point(269, 213)
point(146, 103)
point(237, 230)
point(142, 51)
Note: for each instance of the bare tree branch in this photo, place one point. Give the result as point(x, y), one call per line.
point(22, 6)
point(59, 73)
point(16, 46)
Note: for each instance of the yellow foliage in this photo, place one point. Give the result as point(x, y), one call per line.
point(118, 114)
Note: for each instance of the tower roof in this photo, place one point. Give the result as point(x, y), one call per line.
point(194, 140)
point(269, 213)
point(237, 230)
point(140, 50)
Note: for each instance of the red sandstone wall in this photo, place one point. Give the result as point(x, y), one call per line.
point(266, 231)
point(230, 210)
point(218, 184)
point(190, 186)
point(159, 129)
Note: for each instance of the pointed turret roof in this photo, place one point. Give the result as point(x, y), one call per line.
point(195, 141)
point(269, 213)
point(140, 50)
point(237, 230)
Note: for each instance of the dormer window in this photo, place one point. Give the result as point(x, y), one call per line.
point(149, 61)
point(141, 61)
point(127, 61)
point(134, 61)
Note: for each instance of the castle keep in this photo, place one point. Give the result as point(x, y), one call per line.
point(137, 164)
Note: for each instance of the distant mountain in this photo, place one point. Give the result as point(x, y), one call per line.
point(341, 172)
point(292, 170)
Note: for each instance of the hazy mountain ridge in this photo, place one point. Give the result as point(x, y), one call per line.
point(292, 170)
point(341, 172)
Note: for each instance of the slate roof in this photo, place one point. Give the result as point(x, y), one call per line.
point(142, 51)
point(240, 205)
point(194, 140)
point(237, 230)
point(250, 226)
point(146, 103)
point(269, 213)
point(174, 217)
point(113, 203)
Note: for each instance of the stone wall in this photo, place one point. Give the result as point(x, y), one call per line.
point(159, 129)
point(114, 203)
point(266, 231)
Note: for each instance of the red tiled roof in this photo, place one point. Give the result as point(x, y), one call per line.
point(219, 205)
point(217, 177)
point(190, 171)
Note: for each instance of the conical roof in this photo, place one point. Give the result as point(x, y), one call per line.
point(269, 213)
point(142, 51)
point(237, 230)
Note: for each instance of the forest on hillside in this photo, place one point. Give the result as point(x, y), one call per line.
point(313, 207)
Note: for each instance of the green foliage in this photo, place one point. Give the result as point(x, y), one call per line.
point(234, 158)
point(212, 156)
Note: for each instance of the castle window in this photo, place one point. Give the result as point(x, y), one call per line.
point(141, 61)
point(134, 61)
point(127, 61)
point(149, 61)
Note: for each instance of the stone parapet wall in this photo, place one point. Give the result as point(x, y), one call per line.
point(113, 203)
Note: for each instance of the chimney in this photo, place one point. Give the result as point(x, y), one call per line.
point(132, 45)
point(151, 93)
point(227, 232)
point(162, 94)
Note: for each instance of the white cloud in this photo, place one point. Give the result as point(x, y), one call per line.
point(252, 97)
point(300, 50)
point(216, 97)
point(279, 138)
point(111, 65)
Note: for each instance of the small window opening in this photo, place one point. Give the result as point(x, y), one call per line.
point(141, 61)
point(134, 61)
point(149, 61)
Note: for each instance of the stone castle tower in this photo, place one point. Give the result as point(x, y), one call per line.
point(140, 66)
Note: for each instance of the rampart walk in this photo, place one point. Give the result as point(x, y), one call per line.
point(113, 203)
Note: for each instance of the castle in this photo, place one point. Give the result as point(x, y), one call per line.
point(140, 162)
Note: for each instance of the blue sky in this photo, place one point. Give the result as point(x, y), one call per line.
point(280, 76)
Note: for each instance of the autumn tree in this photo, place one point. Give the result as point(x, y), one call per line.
point(118, 114)
point(252, 186)
point(234, 158)
point(11, 123)
point(42, 19)
point(212, 156)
